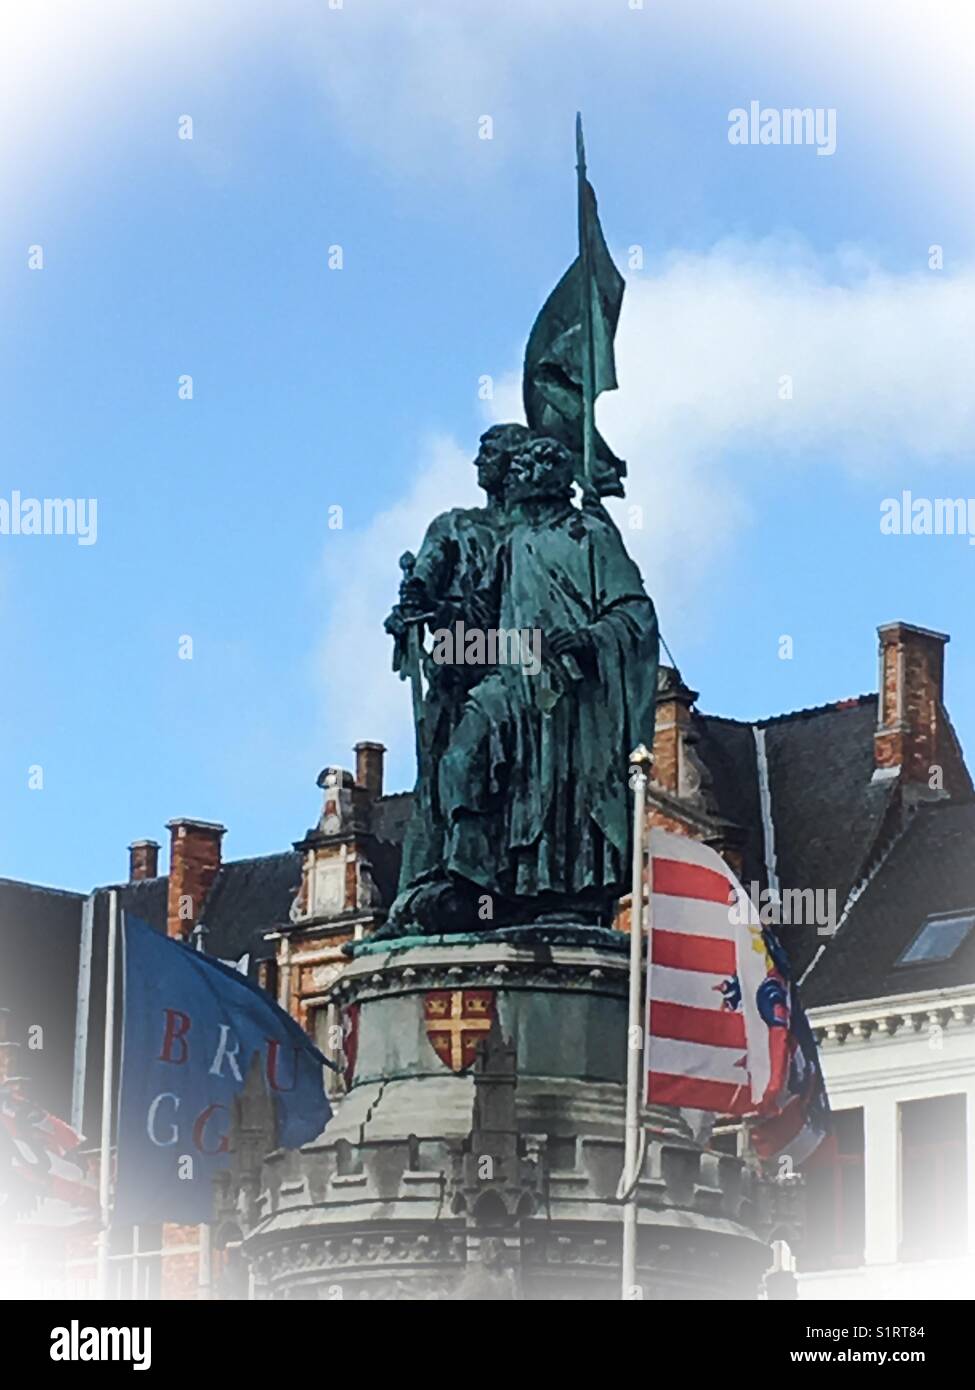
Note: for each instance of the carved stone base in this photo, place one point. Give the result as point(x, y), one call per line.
point(478, 1151)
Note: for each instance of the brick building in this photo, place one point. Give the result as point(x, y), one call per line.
point(853, 824)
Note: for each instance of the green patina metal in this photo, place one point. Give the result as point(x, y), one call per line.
point(570, 359)
point(521, 813)
point(537, 937)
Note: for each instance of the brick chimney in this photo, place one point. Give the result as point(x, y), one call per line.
point(369, 768)
point(911, 720)
point(194, 862)
point(674, 702)
point(143, 860)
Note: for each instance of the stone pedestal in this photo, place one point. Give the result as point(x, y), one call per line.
point(479, 1149)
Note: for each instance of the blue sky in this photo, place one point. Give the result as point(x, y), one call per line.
point(315, 388)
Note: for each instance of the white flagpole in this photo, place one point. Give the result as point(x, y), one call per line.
point(640, 759)
point(105, 1160)
point(204, 1268)
point(83, 999)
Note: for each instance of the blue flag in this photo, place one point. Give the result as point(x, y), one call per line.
point(192, 1028)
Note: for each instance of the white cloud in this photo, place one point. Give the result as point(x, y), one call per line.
point(74, 72)
point(880, 366)
point(877, 361)
point(407, 82)
point(364, 699)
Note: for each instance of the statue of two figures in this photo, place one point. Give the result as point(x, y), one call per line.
point(532, 647)
point(542, 673)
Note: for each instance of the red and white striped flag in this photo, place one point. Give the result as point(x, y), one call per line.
point(39, 1163)
point(725, 1032)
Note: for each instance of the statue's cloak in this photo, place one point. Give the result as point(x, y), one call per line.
point(534, 784)
point(457, 564)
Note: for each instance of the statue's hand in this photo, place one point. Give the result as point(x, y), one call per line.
point(565, 641)
point(574, 645)
point(413, 600)
point(395, 624)
point(472, 612)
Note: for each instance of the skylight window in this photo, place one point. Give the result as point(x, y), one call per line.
point(938, 939)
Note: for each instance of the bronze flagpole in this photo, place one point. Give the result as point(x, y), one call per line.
point(585, 266)
point(414, 663)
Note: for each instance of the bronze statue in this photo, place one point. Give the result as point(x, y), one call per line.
point(522, 812)
point(449, 580)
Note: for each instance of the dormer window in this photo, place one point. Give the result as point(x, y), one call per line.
point(939, 938)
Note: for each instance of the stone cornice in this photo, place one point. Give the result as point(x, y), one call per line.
point(491, 965)
point(898, 1014)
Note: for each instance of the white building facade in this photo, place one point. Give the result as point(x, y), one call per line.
point(891, 1212)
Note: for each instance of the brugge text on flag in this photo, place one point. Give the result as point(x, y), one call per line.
point(192, 1030)
point(726, 1031)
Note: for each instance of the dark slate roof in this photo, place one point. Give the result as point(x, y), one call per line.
point(14, 893)
point(826, 809)
point(929, 869)
point(248, 898)
point(145, 899)
point(391, 815)
point(827, 813)
point(389, 818)
point(727, 748)
point(39, 936)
